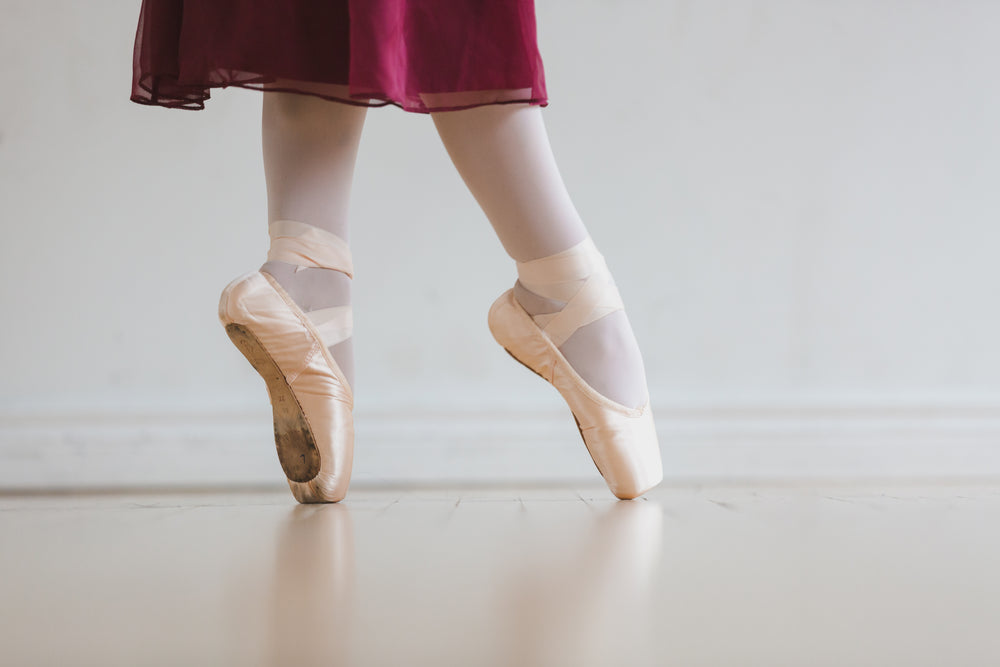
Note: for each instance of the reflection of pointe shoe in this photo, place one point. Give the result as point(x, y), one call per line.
point(311, 400)
point(621, 440)
point(312, 600)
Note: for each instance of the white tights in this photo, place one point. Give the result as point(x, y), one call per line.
point(502, 153)
point(310, 146)
point(504, 157)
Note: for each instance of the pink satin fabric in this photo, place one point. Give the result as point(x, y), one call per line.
point(256, 301)
point(420, 55)
point(621, 440)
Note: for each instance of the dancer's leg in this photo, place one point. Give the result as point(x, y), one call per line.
point(310, 146)
point(503, 154)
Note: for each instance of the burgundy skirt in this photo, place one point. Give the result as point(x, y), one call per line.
point(421, 55)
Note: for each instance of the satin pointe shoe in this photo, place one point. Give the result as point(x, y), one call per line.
point(621, 439)
point(310, 397)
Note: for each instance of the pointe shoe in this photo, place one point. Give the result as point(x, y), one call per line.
point(621, 439)
point(311, 399)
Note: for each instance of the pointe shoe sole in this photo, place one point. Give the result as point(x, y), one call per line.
point(293, 437)
point(310, 398)
point(621, 440)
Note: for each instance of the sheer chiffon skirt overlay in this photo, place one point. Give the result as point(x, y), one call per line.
point(420, 55)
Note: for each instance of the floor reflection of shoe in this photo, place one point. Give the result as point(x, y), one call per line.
point(311, 400)
point(621, 439)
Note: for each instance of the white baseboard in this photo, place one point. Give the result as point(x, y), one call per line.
point(89, 450)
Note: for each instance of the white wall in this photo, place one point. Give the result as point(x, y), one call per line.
point(799, 200)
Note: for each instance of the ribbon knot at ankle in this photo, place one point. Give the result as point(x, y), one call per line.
point(578, 275)
point(307, 246)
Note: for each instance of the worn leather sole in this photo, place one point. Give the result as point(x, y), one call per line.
point(293, 438)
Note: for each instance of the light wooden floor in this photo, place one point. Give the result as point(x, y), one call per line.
point(768, 575)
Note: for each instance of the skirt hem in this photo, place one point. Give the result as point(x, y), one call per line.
point(149, 98)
